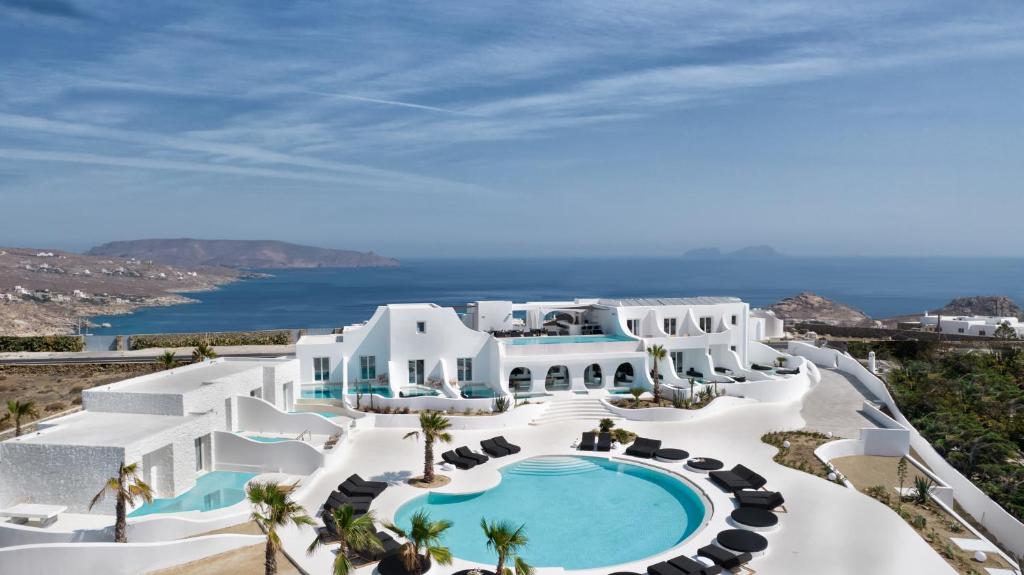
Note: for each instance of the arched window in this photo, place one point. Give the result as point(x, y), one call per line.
point(592, 377)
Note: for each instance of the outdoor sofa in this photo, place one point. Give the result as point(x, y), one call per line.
point(643, 447)
point(739, 477)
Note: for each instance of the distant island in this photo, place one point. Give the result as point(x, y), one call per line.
point(747, 253)
point(245, 254)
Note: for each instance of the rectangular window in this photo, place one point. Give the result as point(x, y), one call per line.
point(960, 329)
point(421, 327)
point(677, 361)
point(732, 347)
point(734, 318)
point(321, 369)
point(367, 367)
point(670, 325)
point(633, 325)
point(416, 371)
point(981, 332)
point(705, 324)
point(256, 392)
point(199, 453)
point(465, 365)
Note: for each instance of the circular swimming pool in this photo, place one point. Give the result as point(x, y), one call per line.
point(579, 512)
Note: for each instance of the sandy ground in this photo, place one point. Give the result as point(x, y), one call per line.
point(240, 561)
point(55, 388)
point(866, 471)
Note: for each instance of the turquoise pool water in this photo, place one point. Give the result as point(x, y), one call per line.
point(334, 391)
point(475, 390)
point(580, 512)
point(213, 490)
point(381, 390)
point(548, 339)
point(265, 439)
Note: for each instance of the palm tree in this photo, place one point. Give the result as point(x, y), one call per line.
point(507, 541)
point(636, 392)
point(127, 487)
point(203, 351)
point(352, 533)
point(424, 540)
point(273, 508)
point(657, 353)
point(166, 360)
point(433, 427)
point(18, 409)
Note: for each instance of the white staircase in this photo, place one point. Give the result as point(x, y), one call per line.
point(574, 408)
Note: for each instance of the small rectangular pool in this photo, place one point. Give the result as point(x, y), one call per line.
point(213, 490)
point(477, 390)
point(553, 339)
point(267, 438)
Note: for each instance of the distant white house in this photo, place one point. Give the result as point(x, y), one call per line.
point(980, 325)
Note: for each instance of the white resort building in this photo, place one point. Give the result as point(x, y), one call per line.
point(979, 325)
point(535, 375)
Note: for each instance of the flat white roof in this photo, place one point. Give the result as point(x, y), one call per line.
point(188, 378)
point(655, 301)
point(102, 429)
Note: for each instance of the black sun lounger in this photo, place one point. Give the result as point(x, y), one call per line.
point(390, 547)
point(352, 490)
point(643, 447)
point(694, 373)
point(502, 442)
point(664, 568)
point(739, 477)
point(460, 462)
point(340, 499)
point(723, 557)
point(760, 367)
point(589, 441)
point(358, 508)
point(759, 499)
point(355, 479)
point(604, 441)
point(793, 371)
point(693, 567)
point(493, 449)
point(466, 453)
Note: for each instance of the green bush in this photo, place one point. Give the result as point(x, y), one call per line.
point(42, 343)
point(279, 337)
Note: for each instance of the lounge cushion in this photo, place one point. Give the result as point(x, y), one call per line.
point(739, 477)
point(589, 441)
point(467, 453)
point(460, 462)
point(724, 557)
point(502, 442)
point(493, 449)
point(759, 499)
point(604, 442)
point(693, 567)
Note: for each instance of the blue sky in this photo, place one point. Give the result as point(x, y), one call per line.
point(518, 128)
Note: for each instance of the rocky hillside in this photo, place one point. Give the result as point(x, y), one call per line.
point(998, 305)
point(239, 254)
point(46, 291)
point(809, 306)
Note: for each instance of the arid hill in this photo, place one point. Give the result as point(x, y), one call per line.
point(250, 254)
point(809, 306)
point(45, 291)
point(997, 305)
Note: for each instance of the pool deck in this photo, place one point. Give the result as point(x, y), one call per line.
point(828, 528)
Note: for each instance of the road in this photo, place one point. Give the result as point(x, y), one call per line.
point(139, 356)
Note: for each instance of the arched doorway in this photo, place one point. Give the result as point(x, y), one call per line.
point(520, 380)
point(557, 378)
point(624, 375)
point(592, 377)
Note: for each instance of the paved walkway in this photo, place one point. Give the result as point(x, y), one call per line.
point(835, 405)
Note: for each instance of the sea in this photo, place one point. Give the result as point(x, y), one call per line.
point(331, 297)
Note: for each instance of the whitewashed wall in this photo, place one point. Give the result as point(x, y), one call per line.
point(236, 453)
point(256, 415)
point(517, 417)
point(1007, 529)
point(116, 558)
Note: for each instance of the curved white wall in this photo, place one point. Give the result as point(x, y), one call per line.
point(259, 416)
point(518, 416)
point(235, 453)
point(116, 558)
point(997, 520)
